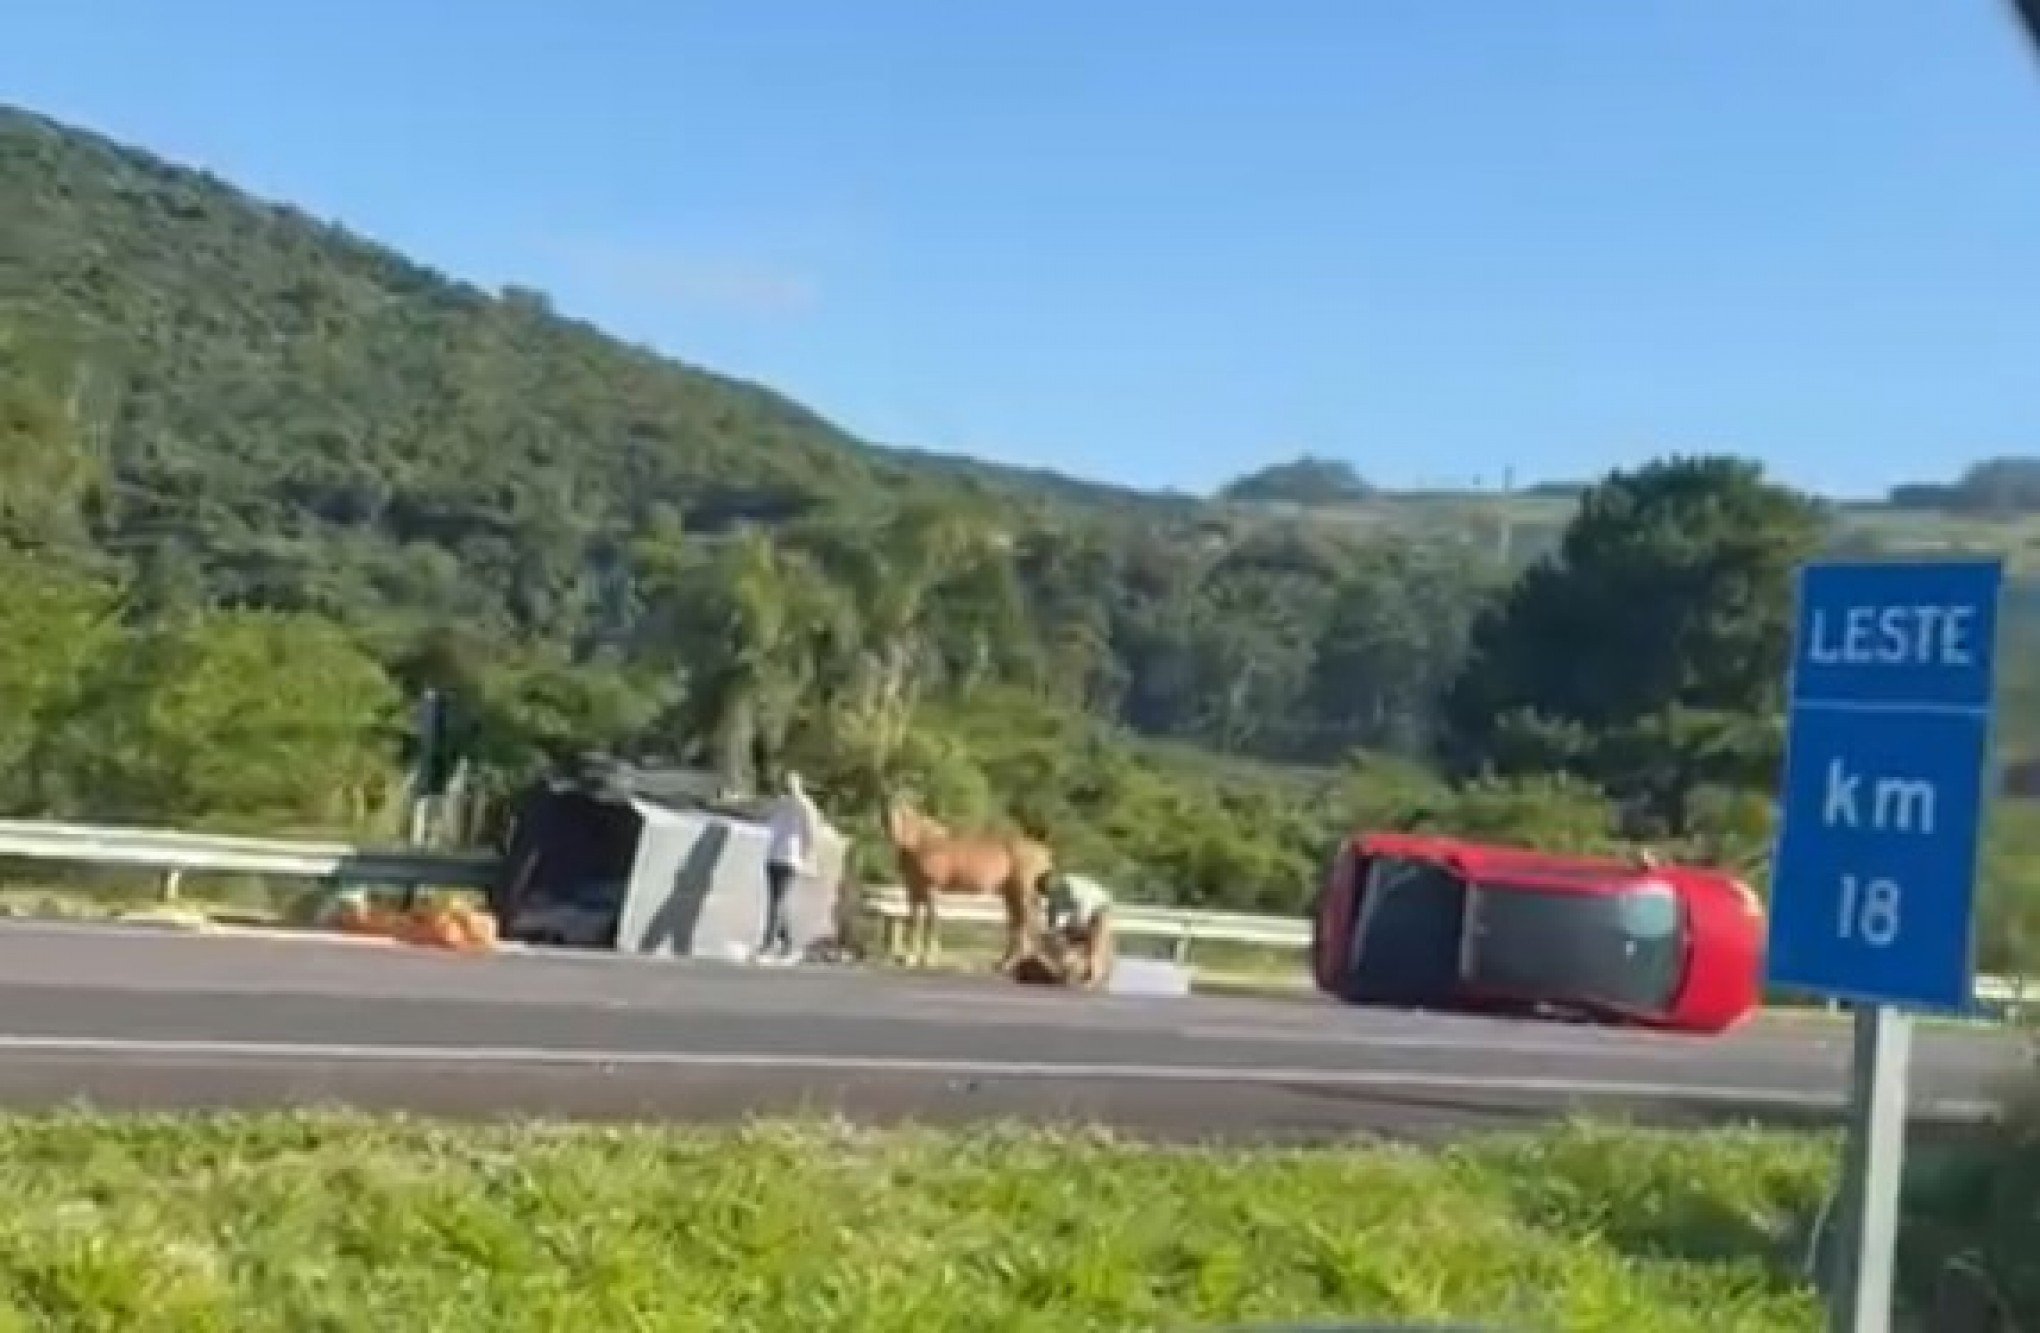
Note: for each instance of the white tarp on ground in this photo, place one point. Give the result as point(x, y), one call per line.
point(697, 887)
point(1148, 977)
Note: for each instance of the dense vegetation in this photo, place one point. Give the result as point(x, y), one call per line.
point(261, 483)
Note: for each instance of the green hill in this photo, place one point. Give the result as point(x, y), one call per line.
point(286, 415)
point(282, 414)
point(291, 407)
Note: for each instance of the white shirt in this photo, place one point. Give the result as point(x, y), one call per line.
point(1073, 900)
point(792, 831)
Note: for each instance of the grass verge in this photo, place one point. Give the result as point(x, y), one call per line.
point(245, 901)
point(336, 1222)
point(1973, 1211)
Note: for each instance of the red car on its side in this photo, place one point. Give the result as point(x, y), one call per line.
point(1427, 922)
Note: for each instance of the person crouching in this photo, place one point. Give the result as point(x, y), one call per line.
point(1079, 938)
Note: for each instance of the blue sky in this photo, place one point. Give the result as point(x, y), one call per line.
point(1163, 241)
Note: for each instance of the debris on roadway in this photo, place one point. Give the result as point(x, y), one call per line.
point(442, 923)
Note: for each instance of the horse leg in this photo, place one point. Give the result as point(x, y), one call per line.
point(900, 933)
point(1101, 952)
point(931, 940)
point(1016, 933)
point(910, 945)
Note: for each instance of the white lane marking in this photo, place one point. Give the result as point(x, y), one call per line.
point(1447, 1035)
point(1039, 1071)
point(1611, 1045)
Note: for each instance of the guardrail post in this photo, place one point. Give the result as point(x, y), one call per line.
point(1179, 948)
point(173, 881)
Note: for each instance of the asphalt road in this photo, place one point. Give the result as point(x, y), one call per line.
point(162, 1019)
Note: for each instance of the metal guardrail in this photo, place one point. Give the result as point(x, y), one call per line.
point(175, 853)
point(1184, 928)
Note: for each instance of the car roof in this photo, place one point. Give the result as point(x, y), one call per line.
point(1499, 863)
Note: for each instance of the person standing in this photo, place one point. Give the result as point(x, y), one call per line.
point(794, 827)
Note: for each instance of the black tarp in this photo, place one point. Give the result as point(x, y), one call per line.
point(573, 837)
point(568, 849)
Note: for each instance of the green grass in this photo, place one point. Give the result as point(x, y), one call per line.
point(107, 891)
point(71, 903)
point(316, 1222)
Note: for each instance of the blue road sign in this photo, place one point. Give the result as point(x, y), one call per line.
point(1887, 742)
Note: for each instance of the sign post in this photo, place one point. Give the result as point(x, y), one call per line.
point(429, 770)
point(1874, 883)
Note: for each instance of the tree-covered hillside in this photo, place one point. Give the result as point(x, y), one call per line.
point(262, 482)
point(303, 416)
point(292, 418)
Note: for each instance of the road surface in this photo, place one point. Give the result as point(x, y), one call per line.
point(154, 1018)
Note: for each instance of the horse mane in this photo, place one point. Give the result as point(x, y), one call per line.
point(929, 826)
point(907, 828)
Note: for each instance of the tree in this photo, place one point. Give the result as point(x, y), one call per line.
point(1307, 480)
point(1646, 653)
point(273, 717)
point(1550, 811)
point(898, 575)
point(46, 472)
point(513, 714)
point(61, 629)
point(754, 623)
point(1391, 644)
point(1066, 578)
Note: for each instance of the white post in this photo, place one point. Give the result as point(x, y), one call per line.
point(420, 830)
point(1859, 1300)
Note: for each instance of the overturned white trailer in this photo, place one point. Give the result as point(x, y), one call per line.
point(601, 865)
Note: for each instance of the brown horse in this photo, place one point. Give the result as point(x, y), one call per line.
point(934, 861)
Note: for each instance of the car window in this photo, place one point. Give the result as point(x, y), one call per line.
point(1651, 913)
